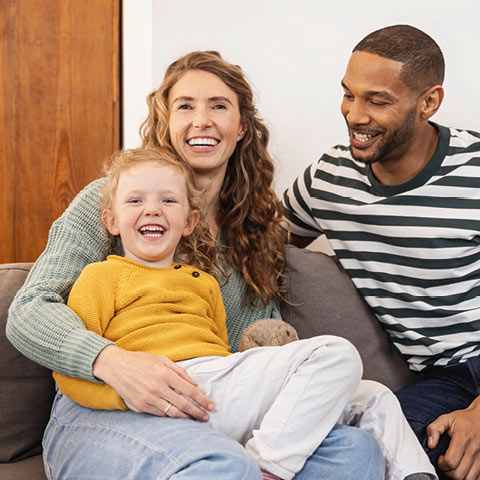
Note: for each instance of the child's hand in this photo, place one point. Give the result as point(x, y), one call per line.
point(150, 383)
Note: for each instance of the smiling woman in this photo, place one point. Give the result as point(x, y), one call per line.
point(205, 126)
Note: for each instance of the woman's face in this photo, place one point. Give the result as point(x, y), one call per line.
point(204, 122)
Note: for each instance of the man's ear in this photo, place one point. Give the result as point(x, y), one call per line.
point(192, 220)
point(110, 222)
point(430, 101)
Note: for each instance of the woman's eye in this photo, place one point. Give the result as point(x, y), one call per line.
point(184, 106)
point(219, 107)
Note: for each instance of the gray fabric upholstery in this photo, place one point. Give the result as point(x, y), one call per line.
point(26, 393)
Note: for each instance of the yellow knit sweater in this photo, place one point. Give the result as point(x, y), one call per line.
point(176, 312)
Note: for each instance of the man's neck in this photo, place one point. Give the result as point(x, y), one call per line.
point(412, 162)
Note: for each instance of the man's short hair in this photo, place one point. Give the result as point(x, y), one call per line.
point(423, 62)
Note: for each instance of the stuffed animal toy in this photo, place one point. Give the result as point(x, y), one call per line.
point(267, 332)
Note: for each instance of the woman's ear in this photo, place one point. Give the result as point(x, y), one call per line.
point(242, 131)
point(192, 220)
point(430, 101)
point(110, 222)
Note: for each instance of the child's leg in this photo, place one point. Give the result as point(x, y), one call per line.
point(375, 408)
point(280, 401)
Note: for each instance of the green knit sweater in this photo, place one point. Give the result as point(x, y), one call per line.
point(44, 329)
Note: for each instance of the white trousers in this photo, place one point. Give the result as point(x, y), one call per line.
point(375, 409)
point(281, 402)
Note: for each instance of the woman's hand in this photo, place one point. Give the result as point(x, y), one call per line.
point(150, 383)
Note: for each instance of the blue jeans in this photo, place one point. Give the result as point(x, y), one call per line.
point(441, 390)
point(80, 443)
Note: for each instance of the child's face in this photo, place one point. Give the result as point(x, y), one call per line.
point(151, 213)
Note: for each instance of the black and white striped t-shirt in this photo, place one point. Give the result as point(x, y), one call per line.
point(412, 250)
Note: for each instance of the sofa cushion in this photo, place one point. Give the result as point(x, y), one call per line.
point(27, 388)
point(322, 300)
point(30, 468)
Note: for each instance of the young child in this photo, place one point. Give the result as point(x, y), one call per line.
point(280, 402)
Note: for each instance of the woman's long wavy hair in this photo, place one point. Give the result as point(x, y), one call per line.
point(199, 248)
point(250, 213)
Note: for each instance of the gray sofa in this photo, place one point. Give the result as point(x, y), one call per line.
point(321, 300)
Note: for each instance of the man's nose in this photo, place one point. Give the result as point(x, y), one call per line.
point(356, 113)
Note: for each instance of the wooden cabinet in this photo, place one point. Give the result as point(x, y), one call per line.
point(59, 111)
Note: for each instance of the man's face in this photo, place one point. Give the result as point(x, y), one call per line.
point(380, 110)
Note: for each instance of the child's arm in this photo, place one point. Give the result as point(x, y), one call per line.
point(93, 299)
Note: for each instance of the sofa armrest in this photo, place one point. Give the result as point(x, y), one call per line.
point(27, 389)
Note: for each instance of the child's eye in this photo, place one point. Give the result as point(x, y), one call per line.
point(169, 200)
point(133, 200)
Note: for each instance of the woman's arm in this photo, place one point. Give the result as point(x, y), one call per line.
point(40, 325)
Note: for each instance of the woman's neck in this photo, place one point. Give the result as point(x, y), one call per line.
point(211, 195)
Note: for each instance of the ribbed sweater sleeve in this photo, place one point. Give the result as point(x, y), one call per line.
point(40, 325)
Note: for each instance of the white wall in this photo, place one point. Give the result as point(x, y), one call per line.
point(294, 54)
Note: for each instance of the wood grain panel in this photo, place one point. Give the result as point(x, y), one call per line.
point(66, 109)
point(7, 130)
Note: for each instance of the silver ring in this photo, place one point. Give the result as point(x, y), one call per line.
point(168, 408)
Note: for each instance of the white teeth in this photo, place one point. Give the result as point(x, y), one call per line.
point(202, 142)
point(152, 230)
point(362, 137)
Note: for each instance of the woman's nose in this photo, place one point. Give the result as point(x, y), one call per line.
point(202, 118)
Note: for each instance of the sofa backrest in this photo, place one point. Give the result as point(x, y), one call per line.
point(27, 389)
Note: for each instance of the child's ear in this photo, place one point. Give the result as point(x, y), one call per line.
point(109, 221)
point(192, 220)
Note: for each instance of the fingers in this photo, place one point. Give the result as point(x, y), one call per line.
point(179, 370)
point(461, 460)
point(436, 429)
point(190, 394)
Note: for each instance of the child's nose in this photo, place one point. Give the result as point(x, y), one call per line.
point(153, 208)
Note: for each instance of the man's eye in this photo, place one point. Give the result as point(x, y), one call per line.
point(378, 103)
point(347, 95)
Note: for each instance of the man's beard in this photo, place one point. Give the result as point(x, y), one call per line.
point(392, 141)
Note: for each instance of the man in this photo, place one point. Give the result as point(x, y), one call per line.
point(401, 208)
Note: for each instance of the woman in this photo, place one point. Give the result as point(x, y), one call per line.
point(204, 110)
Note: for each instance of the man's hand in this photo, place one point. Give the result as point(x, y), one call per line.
point(150, 383)
point(462, 458)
